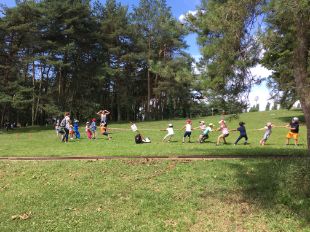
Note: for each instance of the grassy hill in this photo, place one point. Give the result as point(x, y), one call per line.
point(42, 141)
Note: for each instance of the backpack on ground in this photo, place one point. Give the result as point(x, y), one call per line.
point(138, 139)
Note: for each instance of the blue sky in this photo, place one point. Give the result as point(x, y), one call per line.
point(179, 7)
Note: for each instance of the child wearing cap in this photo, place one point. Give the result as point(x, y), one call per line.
point(188, 130)
point(170, 133)
point(294, 130)
point(205, 133)
point(243, 133)
point(225, 132)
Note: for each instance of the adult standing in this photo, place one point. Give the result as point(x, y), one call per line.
point(103, 116)
point(65, 124)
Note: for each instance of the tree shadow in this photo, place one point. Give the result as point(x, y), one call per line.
point(274, 184)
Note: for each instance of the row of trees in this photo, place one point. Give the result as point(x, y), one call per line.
point(81, 56)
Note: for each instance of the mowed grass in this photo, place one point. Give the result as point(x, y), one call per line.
point(42, 141)
point(141, 195)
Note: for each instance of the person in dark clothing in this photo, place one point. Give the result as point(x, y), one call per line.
point(243, 134)
point(294, 130)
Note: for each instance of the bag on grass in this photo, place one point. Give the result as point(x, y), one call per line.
point(138, 139)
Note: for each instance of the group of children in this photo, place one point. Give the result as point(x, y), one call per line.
point(66, 129)
point(223, 128)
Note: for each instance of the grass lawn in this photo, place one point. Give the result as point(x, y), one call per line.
point(42, 141)
point(115, 195)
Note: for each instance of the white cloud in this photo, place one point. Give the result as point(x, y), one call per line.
point(260, 72)
point(182, 17)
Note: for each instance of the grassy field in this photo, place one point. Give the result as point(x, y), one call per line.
point(140, 195)
point(148, 195)
point(42, 141)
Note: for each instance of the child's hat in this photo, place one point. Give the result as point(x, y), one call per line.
point(269, 124)
point(221, 121)
point(76, 120)
point(202, 122)
point(295, 119)
point(211, 124)
point(87, 122)
point(170, 125)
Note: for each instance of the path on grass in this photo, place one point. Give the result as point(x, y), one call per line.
point(181, 157)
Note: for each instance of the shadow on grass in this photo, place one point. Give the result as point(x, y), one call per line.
point(276, 185)
point(242, 150)
point(30, 129)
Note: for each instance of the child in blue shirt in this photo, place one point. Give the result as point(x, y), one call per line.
point(76, 129)
point(93, 128)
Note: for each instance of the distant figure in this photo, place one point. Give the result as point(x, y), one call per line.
point(225, 132)
point(188, 130)
point(71, 131)
point(57, 126)
point(88, 131)
point(76, 129)
point(103, 116)
point(93, 128)
point(104, 130)
point(170, 133)
point(65, 125)
point(243, 133)
point(294, 130)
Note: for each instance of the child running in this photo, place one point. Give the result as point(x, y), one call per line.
point(225, 132)
point(88, 131)
point(243, 133)
point(294, 130)
point(188, 130)
point(104, 130)
point(170, 133)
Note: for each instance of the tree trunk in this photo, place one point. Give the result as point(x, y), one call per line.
point(148, 82)
point(300, 70)
point(39, 95)
point(33, 94)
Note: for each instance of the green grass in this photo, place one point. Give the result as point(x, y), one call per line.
point(41, 141)
point(248, 195)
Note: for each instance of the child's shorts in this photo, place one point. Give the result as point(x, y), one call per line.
point(187, 134)
point(292, 135)
point(105, 133)
point(225, 135)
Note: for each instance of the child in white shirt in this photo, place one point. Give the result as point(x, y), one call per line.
point(188, 130)
point(170, 133)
